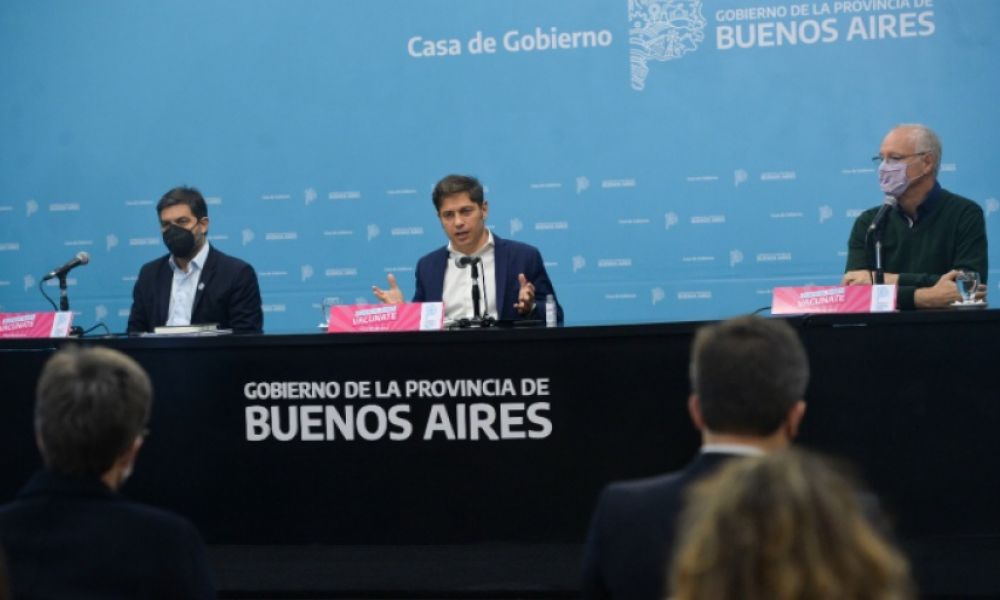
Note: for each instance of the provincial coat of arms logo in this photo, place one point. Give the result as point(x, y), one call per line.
point(661, 30)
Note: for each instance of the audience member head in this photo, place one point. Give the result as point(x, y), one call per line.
point(748, 378)
point(91, 409)
point(783, 526)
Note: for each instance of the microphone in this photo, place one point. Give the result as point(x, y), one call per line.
point(463, 261)
point(80, 259)
point(887, 205)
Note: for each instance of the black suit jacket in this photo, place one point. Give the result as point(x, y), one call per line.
point(68, 537)
point(228, 294)
point(631, 537)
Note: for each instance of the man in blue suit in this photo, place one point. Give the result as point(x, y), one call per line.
point(68, 533)
point(509, 277)
point(195, 283)
point(748, 377)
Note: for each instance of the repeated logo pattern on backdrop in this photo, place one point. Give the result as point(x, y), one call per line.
point(672, 159)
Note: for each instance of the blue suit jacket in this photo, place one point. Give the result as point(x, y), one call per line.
point(228, 294)
point(630, 542)
point(511, 259)
point(68, 537)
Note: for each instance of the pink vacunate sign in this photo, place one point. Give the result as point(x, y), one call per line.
point(35, 325)
point(411, 316)
point(833, 299)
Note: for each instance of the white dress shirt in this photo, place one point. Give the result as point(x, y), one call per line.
point(741, 449)
point(184, 288)
point(457, 291)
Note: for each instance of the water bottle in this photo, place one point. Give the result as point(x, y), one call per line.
point(550, 311)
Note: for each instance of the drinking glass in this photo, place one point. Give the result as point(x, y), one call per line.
point(967, 283)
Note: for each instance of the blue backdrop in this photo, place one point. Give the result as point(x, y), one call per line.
point(673, 160)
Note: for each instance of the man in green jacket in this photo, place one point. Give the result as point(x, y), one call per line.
point(928, 233)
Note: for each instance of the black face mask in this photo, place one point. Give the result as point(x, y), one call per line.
point(179, 241)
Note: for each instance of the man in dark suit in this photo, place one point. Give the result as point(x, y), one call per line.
point(68, 534)
point(748, 377)
point(512, 274)
point(195, 283)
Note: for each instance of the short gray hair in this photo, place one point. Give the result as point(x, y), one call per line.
point(90, 406)
point(924, 140)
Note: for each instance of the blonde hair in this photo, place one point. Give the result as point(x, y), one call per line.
point(784, 526)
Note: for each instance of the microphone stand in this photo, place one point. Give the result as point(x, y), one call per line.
point(476, 315)
point(478, 319)
point(74, 330)
point(879, 278)
point(877, 227)
point(63, 293)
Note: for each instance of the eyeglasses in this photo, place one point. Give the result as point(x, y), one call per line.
point(894, 158)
